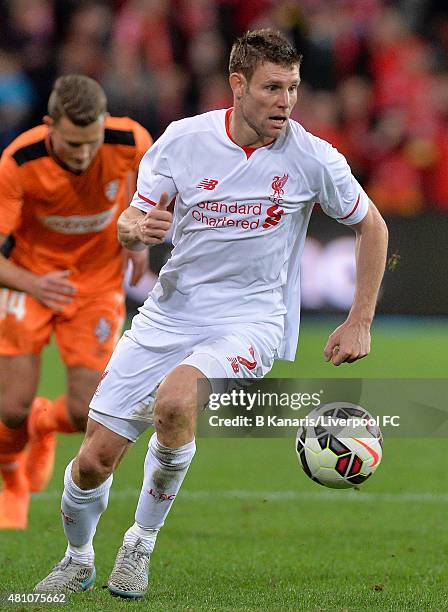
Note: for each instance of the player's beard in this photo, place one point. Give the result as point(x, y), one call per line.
point(261, 135)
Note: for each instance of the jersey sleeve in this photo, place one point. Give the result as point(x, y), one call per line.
point(143, 141)
point(154, 175)
point(11, 194)
point(341, 196)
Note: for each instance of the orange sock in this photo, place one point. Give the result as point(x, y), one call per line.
point(12, 441)
point(51, 416)
point(13, 474)
point(15, 494)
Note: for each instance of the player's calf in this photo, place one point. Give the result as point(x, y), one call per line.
point(80, 511)
point(164, 472)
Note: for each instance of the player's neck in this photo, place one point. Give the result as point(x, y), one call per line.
point(243, 134)
point(59, 161)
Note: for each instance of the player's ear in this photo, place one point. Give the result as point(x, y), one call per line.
point(48, 120)
point(237, 82)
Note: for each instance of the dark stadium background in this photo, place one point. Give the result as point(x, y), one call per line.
point(374, 84)
point(250, 531)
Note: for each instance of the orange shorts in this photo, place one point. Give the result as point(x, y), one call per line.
point(86, 332)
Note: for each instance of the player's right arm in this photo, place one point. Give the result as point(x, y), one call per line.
point(137, 229)
point(147, 221)
point(52, 289)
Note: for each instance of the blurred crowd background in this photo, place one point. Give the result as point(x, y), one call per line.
point(374, 74)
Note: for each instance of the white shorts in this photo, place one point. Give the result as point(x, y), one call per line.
point(146, 354)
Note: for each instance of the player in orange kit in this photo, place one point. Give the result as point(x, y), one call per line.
point(63, 185)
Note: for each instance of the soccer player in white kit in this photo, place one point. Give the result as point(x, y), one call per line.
point(244, 182)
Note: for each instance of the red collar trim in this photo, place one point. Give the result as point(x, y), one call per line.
point(248, 150)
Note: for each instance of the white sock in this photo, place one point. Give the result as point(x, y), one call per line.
point(81, 511)
point(165, 470)
point(139, 535)
point(81, 554)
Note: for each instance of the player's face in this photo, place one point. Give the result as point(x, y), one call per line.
point(268, 98)
point(74, 145)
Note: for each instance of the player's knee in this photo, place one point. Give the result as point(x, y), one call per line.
point(14, 411)
point(94, 467)
point(173, 411)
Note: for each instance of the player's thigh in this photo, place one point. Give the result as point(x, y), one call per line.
point(129, 383)
point(182, 394)
point(88, 333)
point(247, 352)
point(19, 378)
point(25, 328)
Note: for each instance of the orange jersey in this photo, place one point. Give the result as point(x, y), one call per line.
point(66, 221)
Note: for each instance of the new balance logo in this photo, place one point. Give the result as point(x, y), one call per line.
point(208, 184)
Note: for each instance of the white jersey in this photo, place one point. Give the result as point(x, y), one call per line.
point(240, 220)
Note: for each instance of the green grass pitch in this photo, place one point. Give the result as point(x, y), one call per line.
point(249, 531)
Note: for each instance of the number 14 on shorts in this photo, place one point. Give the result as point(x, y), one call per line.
point(12, 302)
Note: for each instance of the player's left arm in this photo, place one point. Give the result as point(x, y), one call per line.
point(351, 340)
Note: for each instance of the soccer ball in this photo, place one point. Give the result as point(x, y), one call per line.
point(340, 445)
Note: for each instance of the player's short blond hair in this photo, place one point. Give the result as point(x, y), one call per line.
point(77, 97)
point(259, 46)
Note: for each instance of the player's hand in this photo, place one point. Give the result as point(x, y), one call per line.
point(154, 226)
point(137, 230)
point(140, 264)
point(349, 342)
point(53, 289)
